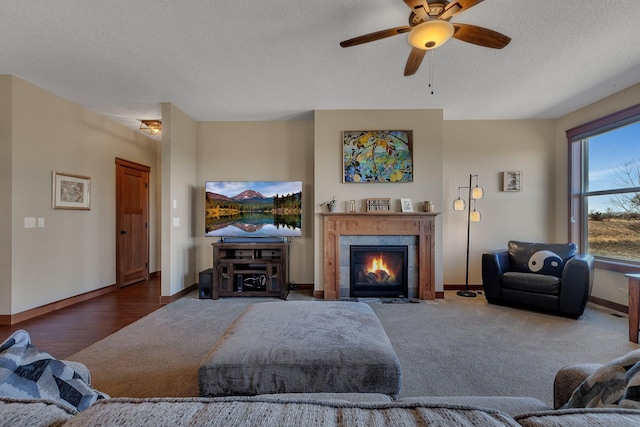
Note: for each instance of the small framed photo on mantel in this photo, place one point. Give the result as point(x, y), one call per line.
point(406, 205)
point(511, 181)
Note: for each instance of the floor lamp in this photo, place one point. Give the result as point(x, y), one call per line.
point(475, 193)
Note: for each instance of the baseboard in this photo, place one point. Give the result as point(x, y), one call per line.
point(462, 287)
point(12, 319)
point(164, 300)
point(610, 304)
point(439, 294)
point(303, 286)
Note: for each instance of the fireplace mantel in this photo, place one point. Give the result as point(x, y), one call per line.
point(419, 224)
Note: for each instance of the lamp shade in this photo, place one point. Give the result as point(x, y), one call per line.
point(474, 216)
point(477, 193)
point(430, 34)
point(152, 127)
point(459, 204)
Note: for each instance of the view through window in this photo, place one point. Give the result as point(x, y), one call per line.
point(611, 193)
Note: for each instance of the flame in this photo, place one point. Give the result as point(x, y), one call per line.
point(376, 270)
point(377, 264)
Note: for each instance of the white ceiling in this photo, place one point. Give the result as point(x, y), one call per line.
point(281, 59)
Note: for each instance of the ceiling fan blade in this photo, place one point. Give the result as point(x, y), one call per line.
point(414, 61)
point(419, 7)
point(456, 7)
point(480, 36)
point(375, 36)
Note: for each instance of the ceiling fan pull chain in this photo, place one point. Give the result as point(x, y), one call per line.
point(430, 67)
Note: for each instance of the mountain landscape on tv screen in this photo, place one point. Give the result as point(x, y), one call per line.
point(241, 209)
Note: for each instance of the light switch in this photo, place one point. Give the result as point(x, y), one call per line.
point(175, 204)
point(40, 222)
point(29, 222)
point(176, 222)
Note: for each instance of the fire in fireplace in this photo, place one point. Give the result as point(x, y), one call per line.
point(378, 271)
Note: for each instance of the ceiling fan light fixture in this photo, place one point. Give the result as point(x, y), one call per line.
point(430, 34)
point(152, 127)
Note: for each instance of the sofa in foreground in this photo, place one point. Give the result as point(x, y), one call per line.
point(323, 409)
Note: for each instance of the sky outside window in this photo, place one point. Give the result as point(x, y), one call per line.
point(608, 153)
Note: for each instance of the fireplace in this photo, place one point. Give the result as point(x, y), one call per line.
point(378, 271)
point(338, 227)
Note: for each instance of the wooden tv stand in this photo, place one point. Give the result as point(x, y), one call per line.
point(250, 269)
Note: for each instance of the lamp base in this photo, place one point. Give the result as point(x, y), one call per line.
point(467, 293)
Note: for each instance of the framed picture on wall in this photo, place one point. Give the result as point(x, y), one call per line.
point(377, 156)
point(69, 191)
point(511, 181)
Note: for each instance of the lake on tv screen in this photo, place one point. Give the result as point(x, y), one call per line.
point(254, 226)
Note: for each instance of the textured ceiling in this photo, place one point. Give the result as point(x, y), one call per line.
point(281, 59)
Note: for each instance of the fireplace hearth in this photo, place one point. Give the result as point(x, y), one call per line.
point(378, 271)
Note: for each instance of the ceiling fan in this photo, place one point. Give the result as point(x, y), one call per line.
point(429, 28)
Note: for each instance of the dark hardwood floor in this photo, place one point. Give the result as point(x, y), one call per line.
point(70, 329)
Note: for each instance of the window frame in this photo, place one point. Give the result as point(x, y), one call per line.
point(577, 216)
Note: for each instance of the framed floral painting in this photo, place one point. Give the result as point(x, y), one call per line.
point(377, 156)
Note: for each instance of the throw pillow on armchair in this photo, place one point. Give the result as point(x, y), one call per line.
point(541, 258)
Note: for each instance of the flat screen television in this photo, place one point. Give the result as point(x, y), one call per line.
point(253, 209)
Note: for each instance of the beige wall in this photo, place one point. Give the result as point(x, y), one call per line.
point(5, 188)
point(75, 252)
point(608, 285)
point(487, 148)
point(178, 199)
point(258, 151)
point(427, 126)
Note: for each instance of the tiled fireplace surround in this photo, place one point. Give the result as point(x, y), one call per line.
point(415, 230)
point(412, 266)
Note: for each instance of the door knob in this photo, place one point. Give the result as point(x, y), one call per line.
point(123, 232)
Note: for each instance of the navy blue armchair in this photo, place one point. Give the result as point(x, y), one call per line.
point(545, 276)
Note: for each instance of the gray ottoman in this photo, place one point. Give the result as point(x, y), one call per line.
point(302, 347)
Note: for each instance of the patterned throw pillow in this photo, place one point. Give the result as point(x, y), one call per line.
point(541, 258)
point(616, 383)
point(546, 262)
point(28, 373)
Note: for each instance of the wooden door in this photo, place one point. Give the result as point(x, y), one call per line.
point(132, 222)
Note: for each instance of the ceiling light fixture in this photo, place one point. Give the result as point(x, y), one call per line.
point(430, 34)
point(152, 127)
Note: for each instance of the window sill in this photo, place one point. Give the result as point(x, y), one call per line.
point(617, 266)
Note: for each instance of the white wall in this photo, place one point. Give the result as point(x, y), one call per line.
point(178, 189)
point(75, 252)
point(608, 285)
point(258, 151)
point(487, 148)
point(427, 126)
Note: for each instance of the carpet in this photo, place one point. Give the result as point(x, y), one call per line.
point(455, 346)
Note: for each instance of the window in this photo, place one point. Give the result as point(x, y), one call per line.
point(604, 206)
